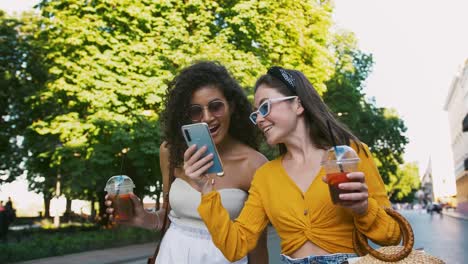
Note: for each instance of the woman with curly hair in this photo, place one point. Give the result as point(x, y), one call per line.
point(203, 92)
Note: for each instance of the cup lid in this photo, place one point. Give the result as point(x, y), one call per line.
point(119, 182)
point(341, 153)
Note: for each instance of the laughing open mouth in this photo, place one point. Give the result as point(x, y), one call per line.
point(213, 129)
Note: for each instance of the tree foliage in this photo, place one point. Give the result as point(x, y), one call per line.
point(20, 78)
point(404, 184)
point(381, 128)
point(8, 94)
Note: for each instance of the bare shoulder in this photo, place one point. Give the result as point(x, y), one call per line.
point(256, 159)
point(164, 147)
point(253, 160)
point(250, 157)
point(164, 150)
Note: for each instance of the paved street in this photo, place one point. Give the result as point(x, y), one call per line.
point(104, 256)
point(440, 235)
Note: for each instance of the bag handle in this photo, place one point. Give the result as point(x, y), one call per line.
point(361, 245)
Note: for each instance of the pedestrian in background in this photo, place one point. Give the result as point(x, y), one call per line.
point(10, 211)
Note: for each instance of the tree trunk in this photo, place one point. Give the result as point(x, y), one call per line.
point(158, 204)
point(67, 215)
point(93, 209)
point(47, 198)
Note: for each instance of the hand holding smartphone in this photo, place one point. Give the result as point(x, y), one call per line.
point(199, 134)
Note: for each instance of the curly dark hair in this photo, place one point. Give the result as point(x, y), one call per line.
point(177, 101)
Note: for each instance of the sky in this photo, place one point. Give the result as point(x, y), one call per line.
point(11, 6)
point(418, 47)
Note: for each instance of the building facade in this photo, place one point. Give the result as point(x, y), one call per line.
point(457, 107)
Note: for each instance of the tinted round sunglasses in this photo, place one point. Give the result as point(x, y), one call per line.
point(216, 108)
point(265, 108)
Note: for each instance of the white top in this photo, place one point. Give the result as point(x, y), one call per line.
point(184, 201)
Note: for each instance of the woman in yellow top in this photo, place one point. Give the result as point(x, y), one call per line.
point(291, 191)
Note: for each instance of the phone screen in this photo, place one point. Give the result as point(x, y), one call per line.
point(199, 134)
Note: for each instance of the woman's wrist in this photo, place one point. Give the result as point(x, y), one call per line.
point(140, 221)
point(159, 220)
point(207, 186)
point(361, 211)
point(152, 221)
point(149, 221)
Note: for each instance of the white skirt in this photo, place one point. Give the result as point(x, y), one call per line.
point(186, 245)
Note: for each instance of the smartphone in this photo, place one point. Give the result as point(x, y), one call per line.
point(199, 134)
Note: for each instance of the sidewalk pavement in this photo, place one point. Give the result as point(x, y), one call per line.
point(104, 256)
point(455, 214)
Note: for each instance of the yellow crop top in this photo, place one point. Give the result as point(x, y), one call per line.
point(298, 217)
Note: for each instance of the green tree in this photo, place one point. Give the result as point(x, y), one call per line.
point(380, 128)
point(403, 185)
point(294, 34)
point(9, 56)
point(21, 76)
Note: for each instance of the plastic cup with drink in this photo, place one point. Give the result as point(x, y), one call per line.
point(338, 161)
point(120, 187)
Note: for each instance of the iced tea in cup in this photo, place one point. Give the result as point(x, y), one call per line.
point(120, 187)
point(337, 162)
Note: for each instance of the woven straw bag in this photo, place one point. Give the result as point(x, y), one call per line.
point(396, 254)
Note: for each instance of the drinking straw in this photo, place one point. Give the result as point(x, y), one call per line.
point(120, 178)
point(118, 182)
point(334, 145)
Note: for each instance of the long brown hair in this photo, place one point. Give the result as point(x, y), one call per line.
point(316, 113)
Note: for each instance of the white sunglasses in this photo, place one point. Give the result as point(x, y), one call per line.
point(265, 108)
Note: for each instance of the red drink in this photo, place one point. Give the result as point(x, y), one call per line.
point(120, 187)
point(123, 207)
point(334, 179)
point(338, 161)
